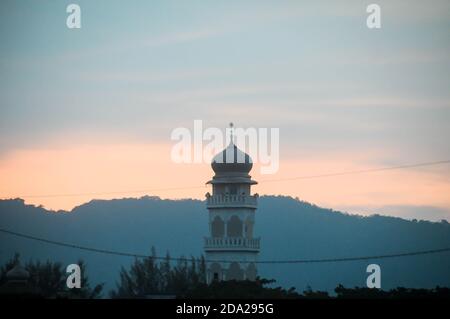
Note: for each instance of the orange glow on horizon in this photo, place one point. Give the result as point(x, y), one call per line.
point(88, 172)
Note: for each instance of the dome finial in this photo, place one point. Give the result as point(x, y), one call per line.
point(231, 133)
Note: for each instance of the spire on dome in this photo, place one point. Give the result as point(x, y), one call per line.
point(232, 159)
point(231, 133)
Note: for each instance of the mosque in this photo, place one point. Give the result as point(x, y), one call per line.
point(231, 250)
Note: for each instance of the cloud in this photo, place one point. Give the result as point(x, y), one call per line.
point(181, 37)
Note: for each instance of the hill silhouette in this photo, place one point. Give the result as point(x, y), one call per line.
point(289, 229)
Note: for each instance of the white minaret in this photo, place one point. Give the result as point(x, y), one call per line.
point(231, 209)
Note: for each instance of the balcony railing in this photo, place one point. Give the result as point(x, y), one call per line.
point(231, 243)
point(231, 201)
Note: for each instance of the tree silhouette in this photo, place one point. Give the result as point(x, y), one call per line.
point(49, 279)
point(186, 279)
point(147, 277)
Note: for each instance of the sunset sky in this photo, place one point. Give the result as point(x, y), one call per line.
point(87, 114)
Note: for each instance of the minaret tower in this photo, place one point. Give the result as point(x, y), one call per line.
point(231, 209)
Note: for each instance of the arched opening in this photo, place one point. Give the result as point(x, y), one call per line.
point(248, 228)
point(235, 272)
point(234, 227)
point(217, 227)
point(251, 272)
point(215, 272)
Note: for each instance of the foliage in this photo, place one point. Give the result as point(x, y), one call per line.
point(185, 279)
point(50, 279)
point(147, 276)
point(242, 290)
point(397, 293)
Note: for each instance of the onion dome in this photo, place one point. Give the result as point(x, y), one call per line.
point(232, 160)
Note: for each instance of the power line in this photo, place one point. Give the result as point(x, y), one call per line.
point(354, 172)
point(372, 170)
point(295, 261)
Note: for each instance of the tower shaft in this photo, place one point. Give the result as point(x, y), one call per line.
point(231, 249)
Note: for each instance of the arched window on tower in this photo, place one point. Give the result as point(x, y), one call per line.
point(251, 272)
point(217, 227)
point(216, 272)
point(234, 227)
point(235, 272)
point(248, 228)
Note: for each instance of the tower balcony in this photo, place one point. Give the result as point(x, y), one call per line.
point(220, 201)
point(231, 244)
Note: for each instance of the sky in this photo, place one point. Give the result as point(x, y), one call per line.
point(88, 113)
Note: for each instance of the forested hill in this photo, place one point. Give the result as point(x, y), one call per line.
point(289, 229)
